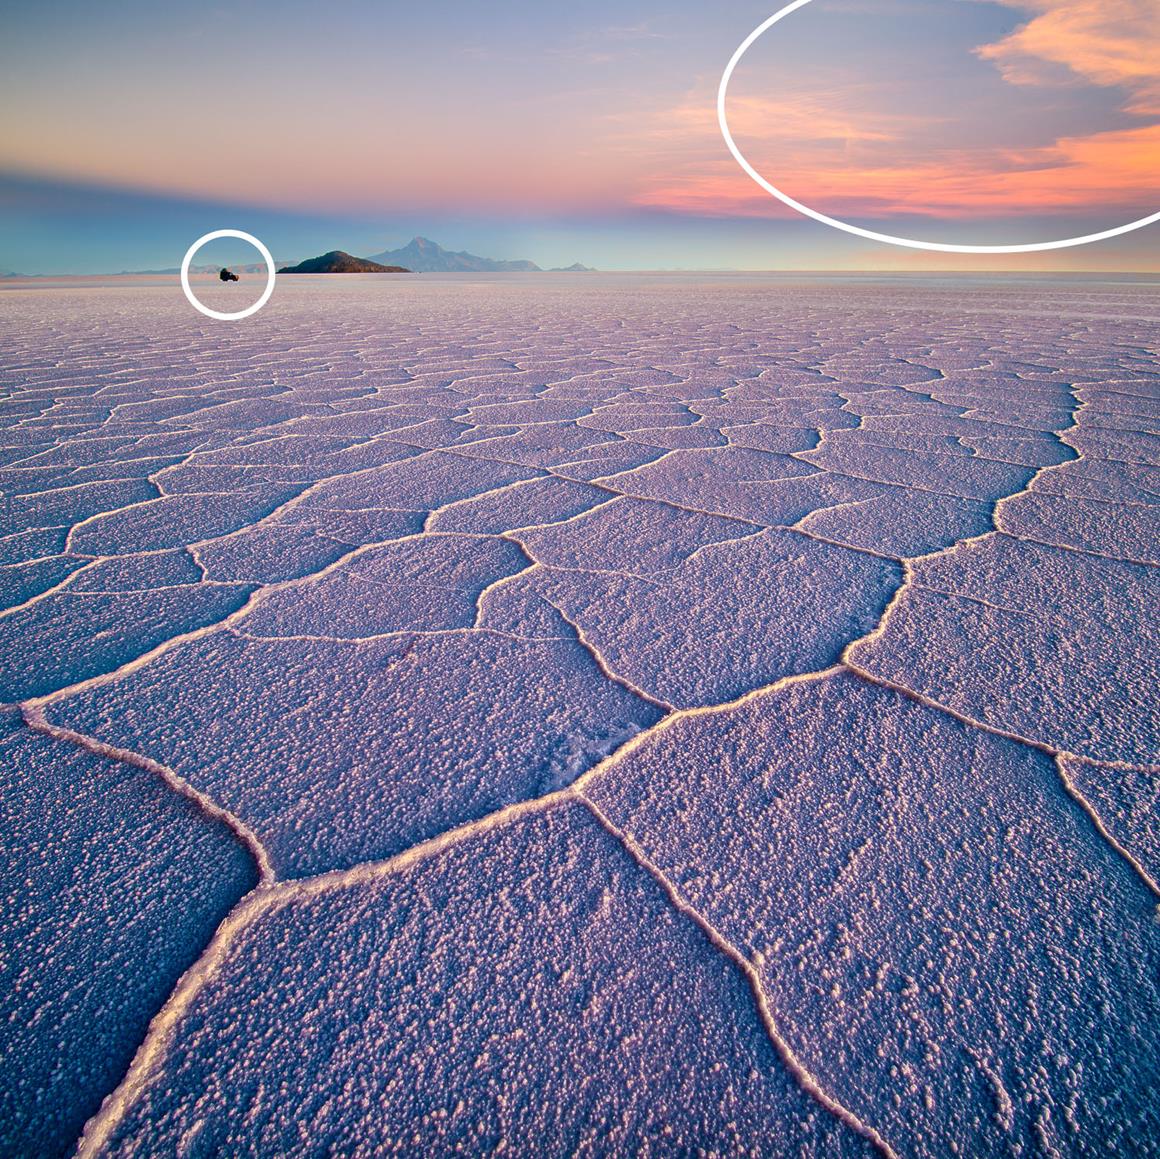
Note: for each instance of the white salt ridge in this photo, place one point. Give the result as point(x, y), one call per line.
point(1058, 648)
point(704, 631)
point(327, 749)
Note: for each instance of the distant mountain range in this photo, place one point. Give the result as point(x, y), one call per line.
point(339, 262)
point(428, 257)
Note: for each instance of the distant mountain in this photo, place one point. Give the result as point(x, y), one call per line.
point(337, 262)
point(574, 268)
point(428, 257)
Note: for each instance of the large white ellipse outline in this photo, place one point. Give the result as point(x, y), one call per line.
point(221, 316)
point(845, 226)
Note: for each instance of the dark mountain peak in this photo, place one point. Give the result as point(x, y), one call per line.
point(339, 262)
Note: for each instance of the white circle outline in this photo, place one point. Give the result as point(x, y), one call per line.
point(845, 226)
point(267, 257)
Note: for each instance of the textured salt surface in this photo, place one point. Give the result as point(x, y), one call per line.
point(926, 907)
point(647, 714)
point(112, 885)
point(363, 1016)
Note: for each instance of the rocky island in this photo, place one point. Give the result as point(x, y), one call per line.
point(338, 262)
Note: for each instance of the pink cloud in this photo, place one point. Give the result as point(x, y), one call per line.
point(1103, 42)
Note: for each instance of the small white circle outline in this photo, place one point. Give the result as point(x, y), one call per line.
point(872, 235)
point(222, 316)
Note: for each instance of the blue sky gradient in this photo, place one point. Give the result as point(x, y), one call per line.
point(565, 133)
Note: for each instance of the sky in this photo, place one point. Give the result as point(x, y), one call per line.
point(587, 133)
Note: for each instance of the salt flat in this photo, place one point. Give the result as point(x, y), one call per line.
point(588, 714)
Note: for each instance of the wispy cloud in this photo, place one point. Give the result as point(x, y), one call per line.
point(1097, 172)
point(1101, 170)
point(682, 160)
point(1103, 42)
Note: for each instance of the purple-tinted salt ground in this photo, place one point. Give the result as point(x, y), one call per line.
point(336, 750)
point(649, 714)
point(111, 885)
point(731, 616)
point(923, 901)
point(358, 1015)
point(1049, 644)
